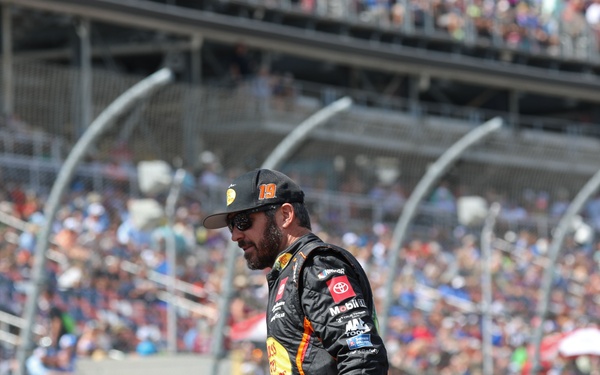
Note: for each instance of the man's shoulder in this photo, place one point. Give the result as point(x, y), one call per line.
point(327, 256)
point(316, 252)
point(320, 249)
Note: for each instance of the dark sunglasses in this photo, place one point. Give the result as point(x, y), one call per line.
point(242, 220)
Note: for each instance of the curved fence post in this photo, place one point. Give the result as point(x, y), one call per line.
point(291, 143)
point(558, 239)
point(171, 250)
point(487, 234)
point(288, 145)
point(435, 171)
point(95, 130)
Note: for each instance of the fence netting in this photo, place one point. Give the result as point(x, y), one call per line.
point(107, 257)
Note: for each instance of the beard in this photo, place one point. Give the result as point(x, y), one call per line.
point(267, 249)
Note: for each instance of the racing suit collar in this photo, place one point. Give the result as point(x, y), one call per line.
point(286, 255)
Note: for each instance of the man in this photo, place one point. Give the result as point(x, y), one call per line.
point(321, 317)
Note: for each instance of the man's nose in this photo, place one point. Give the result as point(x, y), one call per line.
point(236, 234)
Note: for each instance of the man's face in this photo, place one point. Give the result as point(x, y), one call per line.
point(261, 242)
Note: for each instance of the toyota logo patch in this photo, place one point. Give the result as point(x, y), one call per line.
point(340, 288)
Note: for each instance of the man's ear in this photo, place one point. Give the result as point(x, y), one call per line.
point(287, 213)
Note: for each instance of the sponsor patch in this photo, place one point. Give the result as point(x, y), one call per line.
point(277, 316)
point(340, 288)
point(282, 261)
point(350, 305)
point(230, 195)
point(359, 341)
point(363, 351)
point(279, 359)
point(323, 274)
point(356, 327)
point(277, 306)
point(281, 289)
point(347, 317)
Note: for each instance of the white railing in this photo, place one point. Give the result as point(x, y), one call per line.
point(15, 321)
point(32, 144)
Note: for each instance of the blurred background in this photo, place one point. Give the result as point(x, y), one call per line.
point(246, 73)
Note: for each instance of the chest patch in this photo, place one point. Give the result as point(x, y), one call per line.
point(281, 289)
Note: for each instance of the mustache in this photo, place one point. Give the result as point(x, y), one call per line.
point(242, 243)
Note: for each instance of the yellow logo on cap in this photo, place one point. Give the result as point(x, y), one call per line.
point(230, 196)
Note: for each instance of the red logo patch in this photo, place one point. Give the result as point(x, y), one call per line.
point(340, 288)
point(281, 289)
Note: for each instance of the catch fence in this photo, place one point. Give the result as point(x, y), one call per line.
point(358, 169)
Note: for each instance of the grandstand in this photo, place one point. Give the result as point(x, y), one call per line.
point(417, 88)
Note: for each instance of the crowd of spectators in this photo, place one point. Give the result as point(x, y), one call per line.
point(99, 302)
point(567, 28)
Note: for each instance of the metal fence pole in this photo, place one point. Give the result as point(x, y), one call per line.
point(486, 287)
point(171, 250)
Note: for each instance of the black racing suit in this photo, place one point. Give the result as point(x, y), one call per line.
point(321, 316)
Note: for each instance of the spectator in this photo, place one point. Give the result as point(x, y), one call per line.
point(284, 91)
point(67, 237)
point(55, 353)
point(573, 25)
point(443, 199)
point(241, 65)
point(561, 203)
point(27, 238)
point(262, 89)
point(148, 337)
point(96, 221)
point(91, 340)
point(592, 16)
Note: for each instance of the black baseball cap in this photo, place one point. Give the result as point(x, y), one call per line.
point(261, 187)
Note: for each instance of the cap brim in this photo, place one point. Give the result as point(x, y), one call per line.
point(215, 221)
